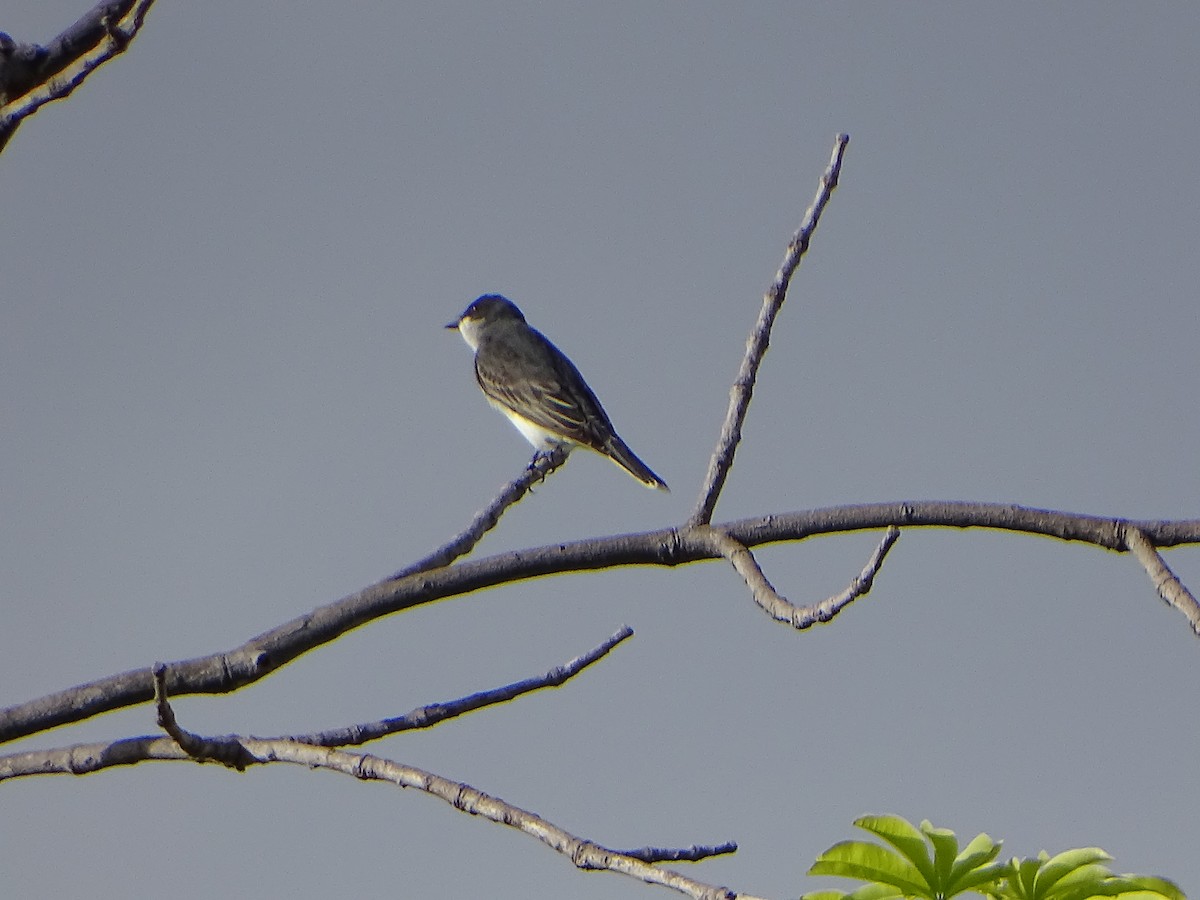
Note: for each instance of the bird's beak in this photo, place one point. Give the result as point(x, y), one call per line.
point(453, 325)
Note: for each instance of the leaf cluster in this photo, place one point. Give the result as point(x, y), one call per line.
point(926, 862)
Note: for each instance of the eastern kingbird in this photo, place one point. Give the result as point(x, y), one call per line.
point(530, 380)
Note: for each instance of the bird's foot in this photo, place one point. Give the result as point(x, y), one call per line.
point(546, 461)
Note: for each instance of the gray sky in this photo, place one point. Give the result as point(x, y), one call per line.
point(227, 399)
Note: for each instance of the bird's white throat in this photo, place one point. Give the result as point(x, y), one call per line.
point(470, 330)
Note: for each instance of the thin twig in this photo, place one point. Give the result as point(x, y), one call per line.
point(1166, 582)
point(434, 713)
point(694, 853)
point(779, 607)
point(756, 347)
point(828, 608)
point(485, 520)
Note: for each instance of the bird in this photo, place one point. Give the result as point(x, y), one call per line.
point(533, 383)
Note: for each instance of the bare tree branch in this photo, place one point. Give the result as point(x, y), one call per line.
point(694, 853)
point(485, 520)
point(241, 752)
point(583, 854)
point(227, 750)
point(82, 759)
point(756, 347)
point(772, 602)
point(779, 607)
point(1166, 582)
point(435, 713)
point(224, 672)
point(32, 75)
point(831, 606)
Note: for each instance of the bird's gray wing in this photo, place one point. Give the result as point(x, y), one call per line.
point(538, 382)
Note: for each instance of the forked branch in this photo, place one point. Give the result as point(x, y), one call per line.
point(82, 759)
point(241, 752)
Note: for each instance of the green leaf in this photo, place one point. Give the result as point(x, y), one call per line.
point(913, 870)
point(901, 834)
point(910, 871)
point(1085, 881)
point(945, 851)
point(1023, 877)
point(870, 862)
point(1067, 863)
point(974, 859)
point(1148, 887)
point(986, 876)
point(1078, 875)
point(1130, 887)
point(872, 891)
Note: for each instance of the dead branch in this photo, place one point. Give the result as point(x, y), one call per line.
point(1166, 582)
point(583, 853)
point(485, 520)
point(82, 759)
point(435, 713)
point(779, 607)
point(220, 673)
point(241, 752)
point(756, 347)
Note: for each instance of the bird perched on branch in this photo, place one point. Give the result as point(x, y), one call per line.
point(532, 382)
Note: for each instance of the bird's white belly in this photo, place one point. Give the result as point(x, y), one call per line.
point(541, 439)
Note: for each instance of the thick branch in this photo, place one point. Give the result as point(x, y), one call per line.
point(756, 347)
point(32, 75)
point(224, 672)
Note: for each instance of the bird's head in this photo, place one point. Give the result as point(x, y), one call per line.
point(488, 309)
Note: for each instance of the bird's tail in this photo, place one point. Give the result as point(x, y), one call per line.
point(618, 451)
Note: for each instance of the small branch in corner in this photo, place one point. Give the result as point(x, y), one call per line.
point(32, 75)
